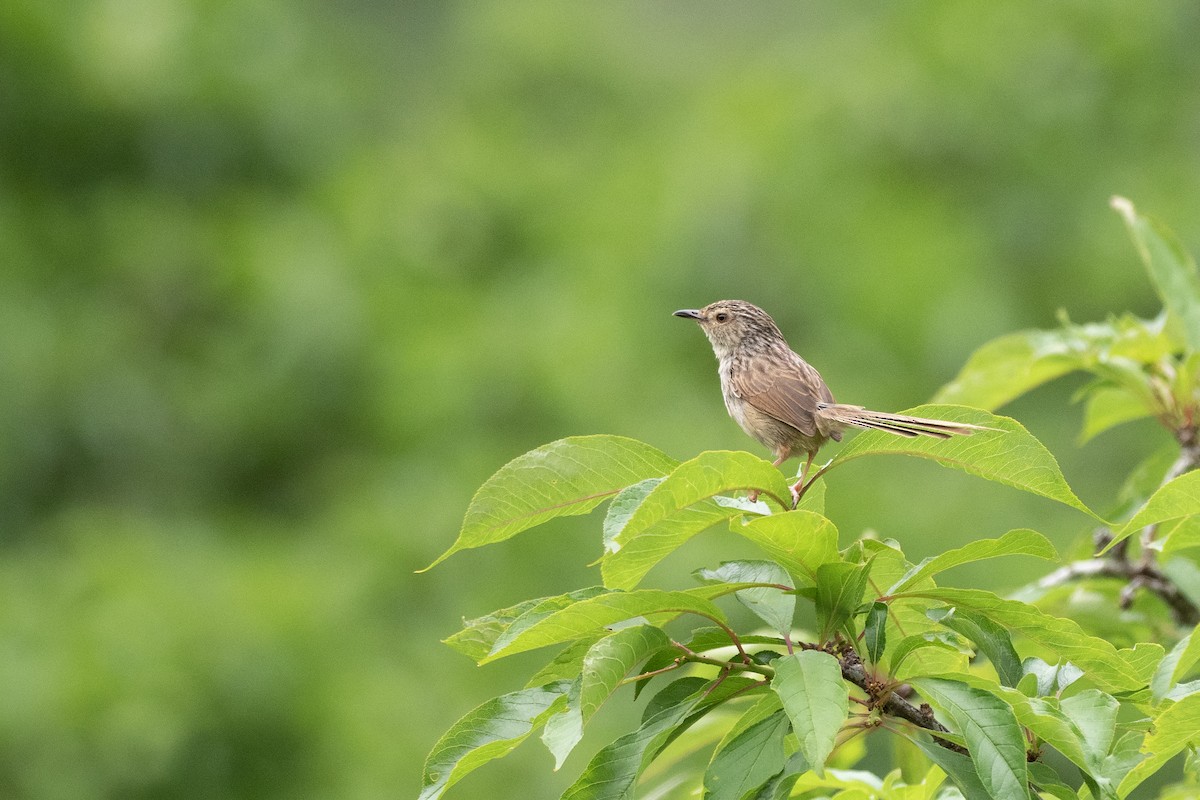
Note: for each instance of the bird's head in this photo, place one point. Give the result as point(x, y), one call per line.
point(734, 324)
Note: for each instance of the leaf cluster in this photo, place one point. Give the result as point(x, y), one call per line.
point(979, 686)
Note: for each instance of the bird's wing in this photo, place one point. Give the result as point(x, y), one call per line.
point(788, 389)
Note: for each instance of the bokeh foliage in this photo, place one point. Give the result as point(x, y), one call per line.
point(282, 282)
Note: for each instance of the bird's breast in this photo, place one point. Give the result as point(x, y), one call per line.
point(734, 404)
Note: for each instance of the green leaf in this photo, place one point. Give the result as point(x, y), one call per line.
point(708, 474)
point(1028, 685)
point(991, 732)
point(566, 664)
point(1008, 367)
point(486, 631)
point(747, 761)
point(1008, 454)
point(705, 639)
point(910, 644)
point(564, 728)
point(478, 635)
point(1046, 719)
point(1129, 375)
point(1125, 755)
point(1175, 664)
point(1081, 729)
point(1108, 407)
point(672, 694)
point(710, 695)
point(959, 768)
point(625, 568)
point(840, 588)
point(1174, 729)
point(680, 506)
point(488, 732)
point(1143, 658)
point(1051, 679)
point(571, 621)
point(1182, 690)
point(567, 477)
point(1177, 535)
point(809, 685)
point(1176, 499)
point(671, 750)
point(1171, 270)
point(1164, 676)
point(800, 541)
point(875, 631)
point(1109, 669)
point(1048, 723)
point(771, 605)
point(907, 618)
point(779, 787)
point(1049, 782)
point(989, 637)
point(610, 660)
point(766, 705)
point(611, 773)
point(814, 498)
point(624, 504)
point(1020, 542)
point(849, 785)
point(603, 667)
point(1094, 714)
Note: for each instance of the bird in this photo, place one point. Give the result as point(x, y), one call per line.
point(780, 399)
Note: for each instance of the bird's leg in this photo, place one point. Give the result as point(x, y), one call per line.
point(780, 457)
point(798, 485)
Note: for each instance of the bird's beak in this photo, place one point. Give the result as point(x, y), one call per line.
point(690, 313)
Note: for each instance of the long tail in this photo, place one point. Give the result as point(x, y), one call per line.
point(898, 424)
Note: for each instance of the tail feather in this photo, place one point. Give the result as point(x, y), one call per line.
point(898, 424)
point(910, 433)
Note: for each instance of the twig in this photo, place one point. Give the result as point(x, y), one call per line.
point(749, 666)
point(892, 704)
point(674, 665)
point(1145, 573)
point(879, 695)
point(1140, 575)
point(733, 637)
point(887, 701)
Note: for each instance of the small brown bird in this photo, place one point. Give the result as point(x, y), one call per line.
point(779, 398)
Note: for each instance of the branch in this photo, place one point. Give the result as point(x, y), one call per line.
point(726, 666)
point(1145, 573)
point(1140, 575)
point(888, 701)
point(882, 697)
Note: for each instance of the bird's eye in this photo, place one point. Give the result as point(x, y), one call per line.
point(722, 317)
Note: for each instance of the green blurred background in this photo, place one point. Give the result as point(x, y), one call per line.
point(281, 283)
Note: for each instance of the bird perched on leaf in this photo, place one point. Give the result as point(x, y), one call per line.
point(779, 398)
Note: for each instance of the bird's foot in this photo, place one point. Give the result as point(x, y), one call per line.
point(801, 486)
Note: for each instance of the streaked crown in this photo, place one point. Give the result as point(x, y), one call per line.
point(734, 324)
